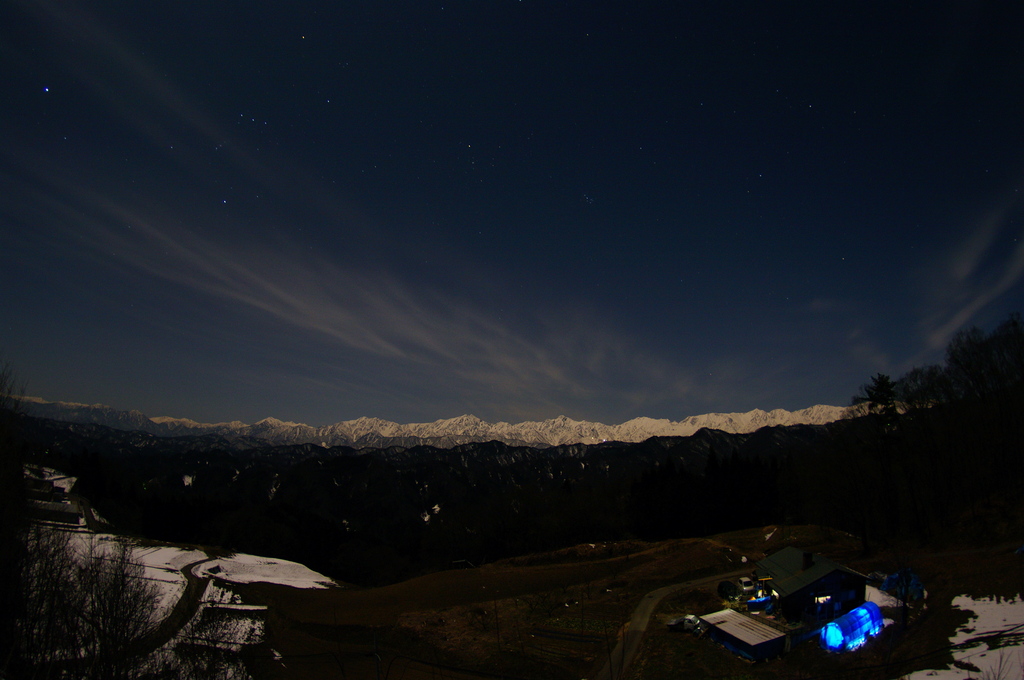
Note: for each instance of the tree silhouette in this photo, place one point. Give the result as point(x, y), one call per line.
point(12, 511)
point(906, 586)
point(880, 397)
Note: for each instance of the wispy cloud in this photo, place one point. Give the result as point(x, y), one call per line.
point(144, 97)
point(865, 349)
point(561, 356)
point(549, 358)
point(567, 359)
point(979, 271)
point(128, 84)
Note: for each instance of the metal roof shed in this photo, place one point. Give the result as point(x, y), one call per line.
point(745, 635)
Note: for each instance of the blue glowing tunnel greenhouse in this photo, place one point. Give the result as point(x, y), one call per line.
point(852, 630)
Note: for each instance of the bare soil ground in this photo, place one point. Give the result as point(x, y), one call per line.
point(557, 616)
point(551, 616)
point(978, 571)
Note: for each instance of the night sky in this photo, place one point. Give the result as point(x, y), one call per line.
point(518, 209)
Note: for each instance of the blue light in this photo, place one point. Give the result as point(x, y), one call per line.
point(832, 638)
point(852, 630)
point(759, 603)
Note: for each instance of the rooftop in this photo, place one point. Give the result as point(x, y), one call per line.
point(742, 627)
point(792, 569)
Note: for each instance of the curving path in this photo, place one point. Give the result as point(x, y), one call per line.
point(625, 650)
point(182, 612)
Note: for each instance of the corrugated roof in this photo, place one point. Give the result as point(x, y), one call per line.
point(786, 569)
point(744, 628)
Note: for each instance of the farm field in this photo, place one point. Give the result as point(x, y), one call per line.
point(576, 612)
point(967, 627)
point(556, 615)
point(560, 615)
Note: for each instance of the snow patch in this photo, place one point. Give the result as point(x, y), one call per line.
point(218, 594)
point(996, 621)
point(225, 627)
point(161, 565)
point(167, 557)
point(881, 598)
point(241, 568)
point(55, 477)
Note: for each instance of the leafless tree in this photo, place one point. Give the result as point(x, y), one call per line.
point(12, 514)
point(85, 615)
point(116, 614)
point(69, 614)
point(47, 630)
point(199, 653)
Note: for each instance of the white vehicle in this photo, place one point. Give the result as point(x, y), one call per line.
point(747, 585)
point(687, 624)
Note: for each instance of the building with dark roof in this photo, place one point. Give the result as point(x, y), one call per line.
point(810, 588)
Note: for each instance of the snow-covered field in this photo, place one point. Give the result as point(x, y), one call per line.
point(167, 557)
point(222, 621)
point(163, 567)
point(241, 568)
point(992, 641)
point(55, 477)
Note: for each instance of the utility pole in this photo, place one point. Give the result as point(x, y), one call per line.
point(376, 655)
point(497, 626)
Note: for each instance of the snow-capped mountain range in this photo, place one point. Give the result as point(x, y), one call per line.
point(375, 432)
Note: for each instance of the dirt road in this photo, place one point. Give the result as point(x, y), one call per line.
point(183, 611)
point(626, 649)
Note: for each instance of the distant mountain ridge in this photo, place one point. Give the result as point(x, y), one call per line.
point(446, 433)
